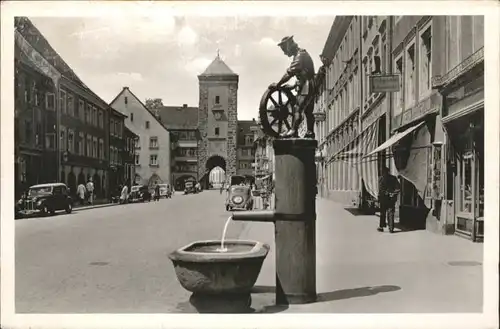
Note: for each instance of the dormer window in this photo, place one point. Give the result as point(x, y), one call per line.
point(217, 99)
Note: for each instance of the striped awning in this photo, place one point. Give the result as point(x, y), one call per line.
point(355, 153)
point(395, 138)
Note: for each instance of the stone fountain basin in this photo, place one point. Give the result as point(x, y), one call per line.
point(201, 269)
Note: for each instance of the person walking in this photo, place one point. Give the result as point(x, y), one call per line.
point(389, 188)
point(90, 191)
point(80, 192)
point(124, 194)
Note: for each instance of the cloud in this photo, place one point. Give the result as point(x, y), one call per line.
point(267, 42)
point(198, 65)
point(187, 36)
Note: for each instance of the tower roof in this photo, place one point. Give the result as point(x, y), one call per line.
point(218, 68)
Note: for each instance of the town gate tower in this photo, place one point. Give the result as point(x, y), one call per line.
point(217, 120)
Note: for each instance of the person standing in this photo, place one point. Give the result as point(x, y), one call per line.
point(90, 190)
point(389, 188)
point(157, 192)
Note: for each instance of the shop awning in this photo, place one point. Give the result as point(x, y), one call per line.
point(395, 138)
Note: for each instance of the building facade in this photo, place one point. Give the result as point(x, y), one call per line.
point(153, 146)
point(117, 145)
point(128, 155)
point(246, 151)
point(75, 120)
point(459, 185)
point(217, 120)
point(182, 123)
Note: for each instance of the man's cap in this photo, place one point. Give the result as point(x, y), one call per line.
point(285, 40)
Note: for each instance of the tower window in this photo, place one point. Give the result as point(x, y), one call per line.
point(132, 117)
point(217, 131)
point(126, 100)
point(147, 124)
point(217, 99)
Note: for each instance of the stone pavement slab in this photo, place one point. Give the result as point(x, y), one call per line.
point(360, 270)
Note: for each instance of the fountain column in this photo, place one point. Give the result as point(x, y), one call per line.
point(295, 220)
point(295, 238)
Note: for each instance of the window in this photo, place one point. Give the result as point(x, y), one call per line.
point(81, 110)
point(71, 105)
point(147, 124)
point(50, 141)
point(217, 99)
point(101, 119)
point(453, 41)
point(409, 99)
point(138, 143)
point(71, 141)
point(136, 158)
point(28, 131)
point(217, 131)
point(94, 147)
point(94, 116)
point(81, 142)
point(248, 139)
point(112, 127)
point(132, 117)
point(62, 139)
point(88, 114)
point(153, 142)
point(27, 91)
point(62, 101)
point(477, 33)
point(153, 160)
point(50, 101)
point(398, 96)
point(89, 146)
point(126, 100)
point(425, 61)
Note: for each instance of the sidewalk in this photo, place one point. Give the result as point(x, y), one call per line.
point(360, 270)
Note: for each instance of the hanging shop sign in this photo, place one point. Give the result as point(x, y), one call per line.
point(384, 83)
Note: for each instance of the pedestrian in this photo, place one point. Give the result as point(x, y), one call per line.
point(80, 192)
point(389, 188)
point(157, 192)
point(90, 191)
point(124, 194)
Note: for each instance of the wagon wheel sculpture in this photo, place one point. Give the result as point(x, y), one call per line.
point(276, 110)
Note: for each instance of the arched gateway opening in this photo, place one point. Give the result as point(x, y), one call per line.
point(215, 172)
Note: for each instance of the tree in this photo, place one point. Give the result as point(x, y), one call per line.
point(153, 103)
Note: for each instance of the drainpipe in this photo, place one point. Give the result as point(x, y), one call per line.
point(388, 121)
point(58, 129)
point(361, 102)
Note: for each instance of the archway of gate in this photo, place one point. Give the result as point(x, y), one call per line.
point(215, 172)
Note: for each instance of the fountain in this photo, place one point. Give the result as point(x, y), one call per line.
point(219, 267)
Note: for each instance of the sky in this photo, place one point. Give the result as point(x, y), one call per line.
point(161, 57)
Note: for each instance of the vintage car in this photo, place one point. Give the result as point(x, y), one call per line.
point(140, 193)
point(190, 188)
point(165, 191)
point(239, 197)
point(44, 199)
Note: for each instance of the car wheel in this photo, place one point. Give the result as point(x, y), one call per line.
point(45, 211)
point(228, 208)
point(69, 208)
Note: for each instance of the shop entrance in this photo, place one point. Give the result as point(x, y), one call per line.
point(467, 136)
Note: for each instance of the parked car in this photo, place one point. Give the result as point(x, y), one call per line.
point(140, 193)
point(165, 191)
point(44, 199)
point(190, 188)
point(134, 193)
point(239, 198)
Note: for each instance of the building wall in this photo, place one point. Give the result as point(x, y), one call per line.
point(137, 118)
point(225, 143)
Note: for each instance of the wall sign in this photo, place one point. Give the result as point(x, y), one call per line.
point(384, 83)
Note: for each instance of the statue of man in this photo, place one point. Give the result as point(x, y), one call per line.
point(302, 68)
